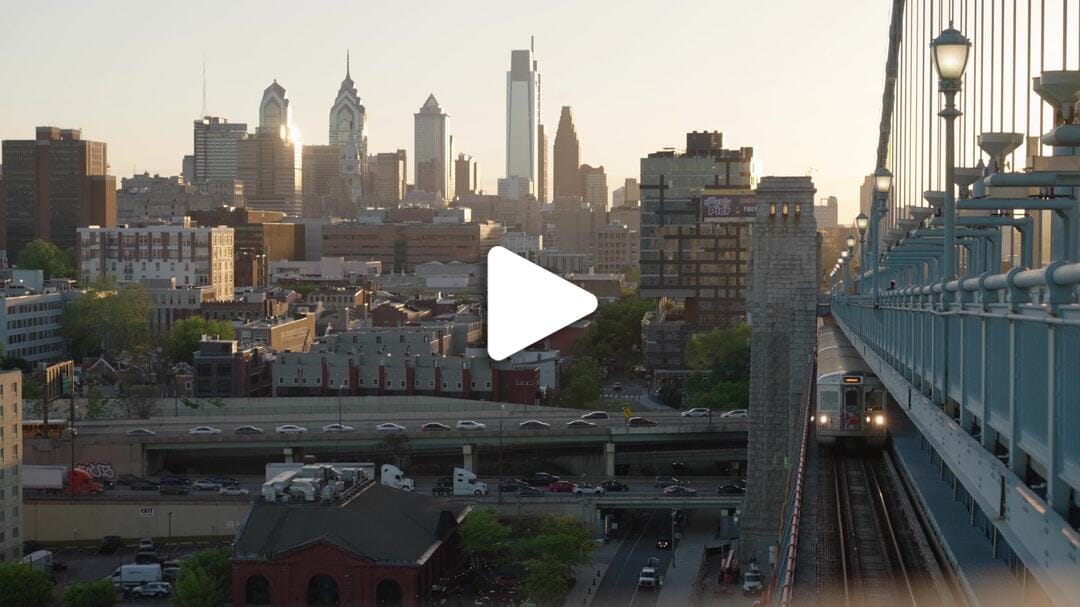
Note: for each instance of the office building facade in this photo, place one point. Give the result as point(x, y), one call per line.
point(567, 157)
point(523, 118)
point(432, 150)
point(464, 175)
point(216, 147)
point(348, 121)
point(11, 515)
point(270, 162)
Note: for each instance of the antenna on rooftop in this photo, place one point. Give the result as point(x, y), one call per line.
point(204, 84)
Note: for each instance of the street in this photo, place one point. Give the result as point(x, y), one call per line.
point(620, 584)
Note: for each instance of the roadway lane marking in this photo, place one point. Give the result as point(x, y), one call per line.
point(637, 587)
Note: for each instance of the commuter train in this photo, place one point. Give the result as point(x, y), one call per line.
point(850, 397)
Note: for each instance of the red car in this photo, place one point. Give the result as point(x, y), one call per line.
point(561, 487)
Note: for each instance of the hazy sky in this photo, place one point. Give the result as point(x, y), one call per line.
point(799, 81)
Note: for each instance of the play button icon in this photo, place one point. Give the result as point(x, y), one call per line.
point(526, 303)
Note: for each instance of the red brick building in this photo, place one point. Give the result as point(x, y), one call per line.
point(381, 546)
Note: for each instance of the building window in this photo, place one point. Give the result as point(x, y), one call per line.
point(322, 590)
point(257, 591)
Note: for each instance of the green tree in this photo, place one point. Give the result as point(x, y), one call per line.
point(581, 387)
point(47, 257)
point(614, 335)
point(562, 538)
point(100, 593)
point(97, 406)
point(108, 319)
point(21, 586)
point(185, 335)
point(483, 535)
point(547, 583)
point(724, 357)
point(204, 579)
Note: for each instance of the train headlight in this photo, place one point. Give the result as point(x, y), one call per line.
point(879, 420)
point(868, 419)
point(824, 419)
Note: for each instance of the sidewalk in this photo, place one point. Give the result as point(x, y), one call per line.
point(589, 576)
point(680, 582)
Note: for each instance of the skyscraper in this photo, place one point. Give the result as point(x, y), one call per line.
point(542, 166)
point(523, 118)
point(464, 175)
point(594, 192)
point(216, 142)
point(52, 185)
point(270, 163)
point(386, 175)
point(324, 183)
point(432, 150)
point(347, 123)
point(567, 155)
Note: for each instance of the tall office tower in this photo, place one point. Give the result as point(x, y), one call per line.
point(324, 183)
point(10, 480)
point(542, 167)
point(347, 121)
point(269, 163)
point(216, 142)
point(631, 192)
point(522, 118)
point(432, 150)
point(386, 177)
point(594, 190)
point(54, 184)
point(567, 180)
point(464, 175)
point(866, 195)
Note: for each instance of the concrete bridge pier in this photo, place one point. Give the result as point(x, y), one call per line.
point(609, 460)
point(468, 451)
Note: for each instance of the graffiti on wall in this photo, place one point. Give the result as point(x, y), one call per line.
point(99, 470)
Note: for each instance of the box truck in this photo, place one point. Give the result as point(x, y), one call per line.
point(57, 480)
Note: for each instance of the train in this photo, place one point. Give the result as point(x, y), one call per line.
point(850, 399)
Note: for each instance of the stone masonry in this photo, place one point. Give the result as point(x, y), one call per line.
point(783, 317)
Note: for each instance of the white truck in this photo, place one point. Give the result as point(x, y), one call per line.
point(649, 578)
point(39, 560)
point(466, 483)
point(273, 469)
point(392, 476)
point(129, 576)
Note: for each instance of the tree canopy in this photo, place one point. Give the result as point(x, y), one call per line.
point(614, 335)
point(49, 258)
point(547, 582)
point(100, 593)
point(21, 586)
point(725, 354)
point(185, 335)
point(204, 579)
point(107, 319)
point(483, 535)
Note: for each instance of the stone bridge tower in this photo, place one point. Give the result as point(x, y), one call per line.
point(782, 311)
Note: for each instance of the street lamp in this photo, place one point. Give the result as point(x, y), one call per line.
point(861, 222)
point(950, 51)
point(883, 178)
point(844, 262)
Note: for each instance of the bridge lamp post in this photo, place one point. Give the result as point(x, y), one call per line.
point(861, 222)
point(851, 249)
point(844, 262)
point(950, 52)
point(883, 178)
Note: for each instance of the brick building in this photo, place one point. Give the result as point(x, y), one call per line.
point(280, 334)
point(224, 369)
point(402, 246)
point(392, 314)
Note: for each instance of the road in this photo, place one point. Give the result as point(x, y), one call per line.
point(619, 586)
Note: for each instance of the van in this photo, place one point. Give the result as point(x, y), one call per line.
point(127, 576)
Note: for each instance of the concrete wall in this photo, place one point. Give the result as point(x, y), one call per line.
point(65, 520)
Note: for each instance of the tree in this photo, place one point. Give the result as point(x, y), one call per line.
point(138, 400)
point(204, 579)
point(483, 535)
point(21, 586)
point(581, 388)
point(724, 357)
point(97, 406)
point(185, 335)
point(614, 335)
point(107, 319)
point(47, 257)
point(100, 593)
point(547, 583)
point(562, 538)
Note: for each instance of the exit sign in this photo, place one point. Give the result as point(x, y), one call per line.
point(146, 511)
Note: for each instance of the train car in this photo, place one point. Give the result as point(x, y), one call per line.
point(850, 397)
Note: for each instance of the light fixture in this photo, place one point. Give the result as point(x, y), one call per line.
point(798, 209)
point(950, 52)
point(772, 208)
point(882, 180)
point(785, 209)
point(824, 419)
point(879, 420)
point(844, 254)
point(850, 241)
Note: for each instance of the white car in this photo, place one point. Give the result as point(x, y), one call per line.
point(141, 432)
point(736, 413)
point(389, 427)
point(468, 424)
point(583, 488)
point(534, 424)
point(152, 589)
point(291, 429)
point(204, 430)
point(337, 428)
point(237, 491)
point(697, 412)
point(580, 423)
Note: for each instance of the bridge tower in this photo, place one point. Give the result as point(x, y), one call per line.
point(782, 311)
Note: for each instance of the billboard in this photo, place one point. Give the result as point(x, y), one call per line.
point(719, 206)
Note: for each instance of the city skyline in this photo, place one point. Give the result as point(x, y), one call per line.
point(612, 77)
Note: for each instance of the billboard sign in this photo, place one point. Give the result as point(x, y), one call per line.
point(719, 206)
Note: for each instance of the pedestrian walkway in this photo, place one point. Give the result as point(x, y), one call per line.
point(680, 583)
point(588, 576)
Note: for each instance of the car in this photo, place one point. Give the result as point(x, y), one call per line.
point(143, 485)
point(227, 481)
point(541, 479)
point(169, 574)
point(126, 479)
point(583, 488)
point(389, 427)
point(335, 427)
point(511, 485)
point(741, 483)
point(697, 412)
point(654, 561)
point(152, 589)
point(173, 489)
point(730, 489)
point(580, 423)
point(174, 479)
point(468, 424)
point(205, 485)
point(247, 430)
point(530, 492)
point(290, 429)
point(735, 413)
point(596, 415)
point(667, 481)
point(679, 491)
point(649, 578)
point(663, 542)
point(110, 544)
point(637, 420)
point(147, 557)
point(233, 491)
point(204, 431)
point(616, 387)
point(141, 432)
point(434, 427)
point(147, 543)
point(534, 424)
point(561, 487)
point(614, 486)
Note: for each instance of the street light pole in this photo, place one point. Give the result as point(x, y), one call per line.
point(882, 184)
point(672, 538)
point(861, 221)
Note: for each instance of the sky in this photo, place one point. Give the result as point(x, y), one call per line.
point(798, 81)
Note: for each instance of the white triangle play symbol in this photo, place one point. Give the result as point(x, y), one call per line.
point(526, 303)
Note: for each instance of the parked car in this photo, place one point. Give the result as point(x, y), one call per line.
point(667, 481)
point(434, 427)
point(530, 492)
point(735, 413)
point(173, 490)
point(335, 427)
point(389, 427)
point(583, 488)
point(663, 542)
point(242, 430)
point(614, 486)
point(595, 415)
point(174, 479)
point(141, 432)
point(637, 420)
point(730, 489)
point(152, 590)
point(204, 431)
point(534, 424)
point(679, 491)
point(147, 543)
point(561, 487)
point(290, 429)
point(233, 491)
point(697, 412)
point(741, 483)
point(143, 485)
point(511, 485)
point(109, 544)
point(541, 479)
point(227, 481)
point(580, 423)
point(616, 387)
point(147, 557)
point(126, 479)
point(205, 485)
